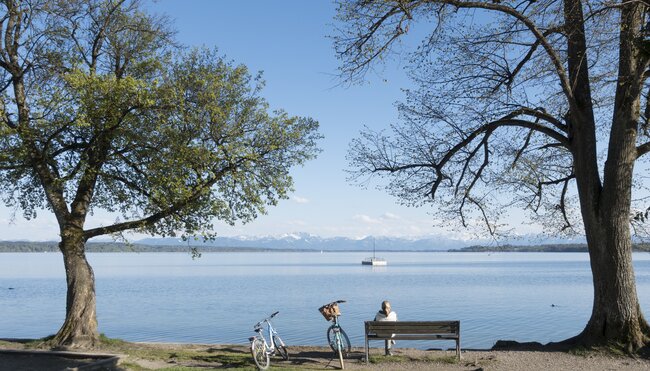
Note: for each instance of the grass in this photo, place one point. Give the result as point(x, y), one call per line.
point(450, 360)
point(6, 343)
point(179, 358)
point(580, 351)
point(133, 366)
point(378, 360)
point(108, 342)
point(615, 350)
point(208, 358)
point(136, 367)
point(41, 343)
point(225, 358)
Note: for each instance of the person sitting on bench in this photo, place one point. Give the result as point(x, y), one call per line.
point(386, 314)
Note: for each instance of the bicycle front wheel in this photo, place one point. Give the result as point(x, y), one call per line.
point(346, 348)
point(280, 347)
point(260, 356)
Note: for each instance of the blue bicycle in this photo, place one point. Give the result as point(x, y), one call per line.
point(337, 339)
point(263, 350)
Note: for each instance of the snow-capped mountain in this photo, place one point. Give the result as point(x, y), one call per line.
point(305, 241)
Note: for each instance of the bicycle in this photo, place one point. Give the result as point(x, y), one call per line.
point(337, 339)
point(263, 350)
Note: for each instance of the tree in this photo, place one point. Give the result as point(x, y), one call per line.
point(529, 104)
point(101, 110)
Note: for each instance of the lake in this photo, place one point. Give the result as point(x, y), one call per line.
point(169, 297)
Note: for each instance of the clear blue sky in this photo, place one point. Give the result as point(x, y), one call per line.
point(287, 39)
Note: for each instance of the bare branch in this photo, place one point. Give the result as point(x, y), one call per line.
point(642, 149)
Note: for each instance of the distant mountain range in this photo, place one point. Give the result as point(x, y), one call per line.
point(305, 241)
point(308, 242)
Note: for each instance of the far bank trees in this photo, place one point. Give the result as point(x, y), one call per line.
point(530, 104)
point(100, 110)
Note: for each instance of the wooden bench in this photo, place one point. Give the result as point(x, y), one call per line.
point(412, 330)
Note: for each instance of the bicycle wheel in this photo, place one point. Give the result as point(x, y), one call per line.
point(346, 348)
point(260, 356)
point(280, 347)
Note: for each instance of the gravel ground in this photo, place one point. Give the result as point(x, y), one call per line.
point(45, 361)
point(320, 358)
point(30, 362)
point(413, 359)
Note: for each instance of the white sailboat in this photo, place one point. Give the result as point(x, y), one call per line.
point(374, 261)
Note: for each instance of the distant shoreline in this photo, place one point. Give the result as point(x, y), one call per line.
point(541, 248)
point(113, 247)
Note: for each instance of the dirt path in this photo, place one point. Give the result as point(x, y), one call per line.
point(140, 356)
point(320, 358)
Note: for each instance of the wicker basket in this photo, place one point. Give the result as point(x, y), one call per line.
point(330, 311)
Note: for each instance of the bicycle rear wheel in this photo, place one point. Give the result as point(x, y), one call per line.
point(260, 356)
point(346, 348)
point(280, 347)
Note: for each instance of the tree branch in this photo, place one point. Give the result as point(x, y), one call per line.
point(642, 149)
point(550, 51)
point(163, 213)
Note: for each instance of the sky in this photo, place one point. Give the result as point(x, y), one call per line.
point(287, 40)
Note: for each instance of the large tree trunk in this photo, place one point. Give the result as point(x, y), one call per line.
point(80, 327)
point(616, 317)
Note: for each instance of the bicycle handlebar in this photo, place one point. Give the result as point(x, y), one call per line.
point(259, 324)
point(335, 302)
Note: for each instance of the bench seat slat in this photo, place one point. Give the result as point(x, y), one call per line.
point(414, 330)
point(414, 337)
point(407, 323)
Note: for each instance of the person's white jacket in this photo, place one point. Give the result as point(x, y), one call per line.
point(381, 316)
point(392, 316)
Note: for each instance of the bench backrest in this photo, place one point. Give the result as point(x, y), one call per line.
point(413, 327)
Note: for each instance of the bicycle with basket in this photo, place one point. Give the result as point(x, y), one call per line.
point(337, 339)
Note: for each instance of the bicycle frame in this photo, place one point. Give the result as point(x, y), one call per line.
point(335, 323)
point(268, 345)
point(337, 330)
point(261, 349)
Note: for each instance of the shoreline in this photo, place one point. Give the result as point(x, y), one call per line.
point(9, 246)
point(143, 356)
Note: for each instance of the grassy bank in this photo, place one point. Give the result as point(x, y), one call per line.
point(203, 357)
point(195, 357)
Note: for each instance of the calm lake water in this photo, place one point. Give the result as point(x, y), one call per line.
point(168, 297)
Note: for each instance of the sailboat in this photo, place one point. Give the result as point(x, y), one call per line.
point(374, 261)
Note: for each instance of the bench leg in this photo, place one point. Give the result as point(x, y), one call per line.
point(458, 348)
point(386, 350)
point(367, 349)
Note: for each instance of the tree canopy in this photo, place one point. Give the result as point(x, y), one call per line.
point(101, 110)
point(121, 119)
point(527, 104)
point(485, 127)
